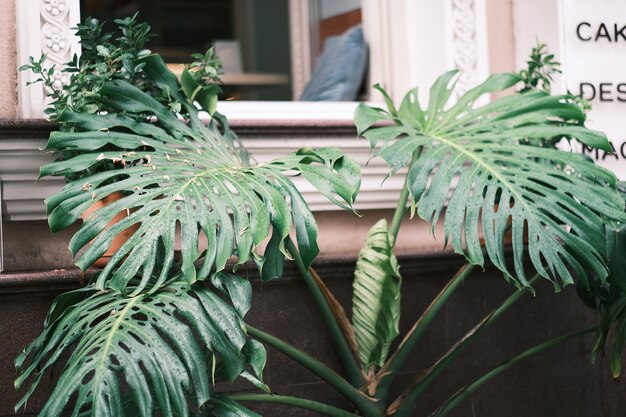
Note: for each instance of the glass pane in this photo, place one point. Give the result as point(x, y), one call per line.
point(251, 37)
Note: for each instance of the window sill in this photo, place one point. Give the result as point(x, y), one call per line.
point(21, 157)
point(308, 112)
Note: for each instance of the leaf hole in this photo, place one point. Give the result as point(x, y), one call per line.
point(124, 347)
point(88, 377)
point(114, 361)
point(137, 338)
point(139, 317)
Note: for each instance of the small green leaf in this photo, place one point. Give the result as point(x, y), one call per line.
point(103, 50)
point(237, 288)
point(256, 356)
point(391, 108)
point(366, 116)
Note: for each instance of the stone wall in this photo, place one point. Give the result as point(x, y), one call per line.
point(559, 382)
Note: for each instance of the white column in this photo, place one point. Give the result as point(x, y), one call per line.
point(413, 41)
point(300, 39)
point(43, 27)
point(537, 21)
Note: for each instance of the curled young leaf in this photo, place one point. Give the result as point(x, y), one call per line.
point(376, 297)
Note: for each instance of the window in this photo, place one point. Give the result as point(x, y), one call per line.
point(410, 41)
point(251, 37)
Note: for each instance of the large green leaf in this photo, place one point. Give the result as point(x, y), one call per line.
point(475, 162)
point(376, 297)
point(180, 177)
point(163, 347)
point(609, 298)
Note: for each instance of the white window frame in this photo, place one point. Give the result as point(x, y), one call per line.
point(408, 47)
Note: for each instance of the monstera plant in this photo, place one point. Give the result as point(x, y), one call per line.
point(157, 328)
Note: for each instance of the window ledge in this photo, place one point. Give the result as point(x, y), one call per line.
point(21, 142)
point(413, 264)
point(309, 112)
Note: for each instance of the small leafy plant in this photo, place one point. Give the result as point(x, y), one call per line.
point(104, 58)
point(153, 333)
point(107, 57)
point(541, 67)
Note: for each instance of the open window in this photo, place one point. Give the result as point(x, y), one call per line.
point(269, 49)
point(410, 43)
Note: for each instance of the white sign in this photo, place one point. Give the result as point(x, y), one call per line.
point(594, 65)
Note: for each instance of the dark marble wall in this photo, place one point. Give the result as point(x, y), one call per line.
point(560, 382)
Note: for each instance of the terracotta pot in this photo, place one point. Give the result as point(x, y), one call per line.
point(121, 237)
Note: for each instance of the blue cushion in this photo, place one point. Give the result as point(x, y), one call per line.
point(340, 70)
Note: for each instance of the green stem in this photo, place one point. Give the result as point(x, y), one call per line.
point(469, 389)
point(397, 360)
point(366, 406)
point(348, 360)
point(405, 402)
point(398, 214)
point(321, 408)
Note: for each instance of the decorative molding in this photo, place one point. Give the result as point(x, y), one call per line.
point(468, 50)
point(300, 41)
point(464, 41)
point(396, 30)
point(44, 27)
point(414, 41)
point(21, 157)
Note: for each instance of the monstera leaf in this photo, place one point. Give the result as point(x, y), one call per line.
point(162, 347)
point(609, 298)
point(183, 182)
point(476, 163)
point(376, 297)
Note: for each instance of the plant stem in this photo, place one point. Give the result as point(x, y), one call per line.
point(469, 389)
point(397, 360)
point(404, 404)
point(366, 406)
point(398, 214)
point(348, 360)
point(318, 407)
